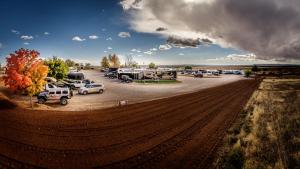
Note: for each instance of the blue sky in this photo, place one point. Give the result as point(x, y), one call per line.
point(53, 26)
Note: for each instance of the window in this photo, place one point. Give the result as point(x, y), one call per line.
point(51, 92)
point(65, 92)
point(58, 92)
point(50, 86)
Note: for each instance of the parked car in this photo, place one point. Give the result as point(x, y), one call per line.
point(91, 88)
point(112, 75)
point(167, 77)
point(126, 79)
point(108, 73)
point(80, 83)
point(55, 94)
point(198, 74)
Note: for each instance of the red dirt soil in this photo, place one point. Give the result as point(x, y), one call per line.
point(177, 132)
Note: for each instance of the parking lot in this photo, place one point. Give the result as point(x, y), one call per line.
point(116, 91)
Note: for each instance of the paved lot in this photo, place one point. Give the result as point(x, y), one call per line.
point(134, 92)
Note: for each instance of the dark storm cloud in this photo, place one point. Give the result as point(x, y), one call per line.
point(161, 29)
point(205, 40)
point(181, 42)
point(268, 28)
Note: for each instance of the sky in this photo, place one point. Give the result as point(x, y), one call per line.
point(163, 32)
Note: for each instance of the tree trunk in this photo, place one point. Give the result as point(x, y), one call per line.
point(31, 102)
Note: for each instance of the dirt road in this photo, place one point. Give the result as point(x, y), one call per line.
point(177, 132)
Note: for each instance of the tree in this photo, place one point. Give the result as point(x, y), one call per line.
point(70, 63)
point(104, 62)
point(87, 66)
point(129, 62)
point(39, 72)
point(188, 68)
point(57, 68)
point(114, 61)
point(248, 72)
point(25, 72)
point(152, 65)
point(135, 65)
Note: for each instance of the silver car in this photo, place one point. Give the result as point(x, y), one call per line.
point(91, 88)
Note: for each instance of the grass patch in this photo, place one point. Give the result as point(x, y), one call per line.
point(157, 81)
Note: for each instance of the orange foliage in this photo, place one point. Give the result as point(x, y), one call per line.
point(25, 71)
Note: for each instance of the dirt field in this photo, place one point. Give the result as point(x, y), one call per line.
point(177, 132)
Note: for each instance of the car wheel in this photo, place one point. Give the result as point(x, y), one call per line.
point(85, 93)
point(41, 100)
point(63, 101)
point(101, 91)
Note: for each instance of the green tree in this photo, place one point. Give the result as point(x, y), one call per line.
point(70, 63)
point(135, 65)
point(87, 66)
point(152, 65)
point(188, 68)
point(105, 62)
point(114, 61)
point(248, 72)
point(57, 68)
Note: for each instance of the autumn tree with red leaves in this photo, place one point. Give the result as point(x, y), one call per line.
point(25, 72)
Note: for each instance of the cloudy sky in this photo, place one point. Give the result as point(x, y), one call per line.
point(160, 31)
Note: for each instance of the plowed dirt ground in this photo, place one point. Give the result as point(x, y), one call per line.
point(177, 132)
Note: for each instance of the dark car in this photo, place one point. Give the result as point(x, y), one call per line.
point(126, 79)
point(112, 75)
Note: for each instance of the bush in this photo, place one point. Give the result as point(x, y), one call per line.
point(248, 72)
point(234, 159)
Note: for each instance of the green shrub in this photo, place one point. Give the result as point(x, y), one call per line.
point(248, 72)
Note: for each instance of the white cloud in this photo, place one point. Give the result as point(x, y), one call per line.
point(238, 57)
point(124, 35)
point(105, 51)
point(15, 32)
point(77, 38)
point(138, 50)
point(109, 48)
point(153, 49)
point(109, 38)
point(181, 54)
point(93, 37)
point(165, 47)
point(82, 61)
point(26, 43)
point(148, 52)
point(26, 37)
point(46, 33)
point(128, 4)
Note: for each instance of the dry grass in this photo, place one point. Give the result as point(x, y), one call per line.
point(267, 133)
